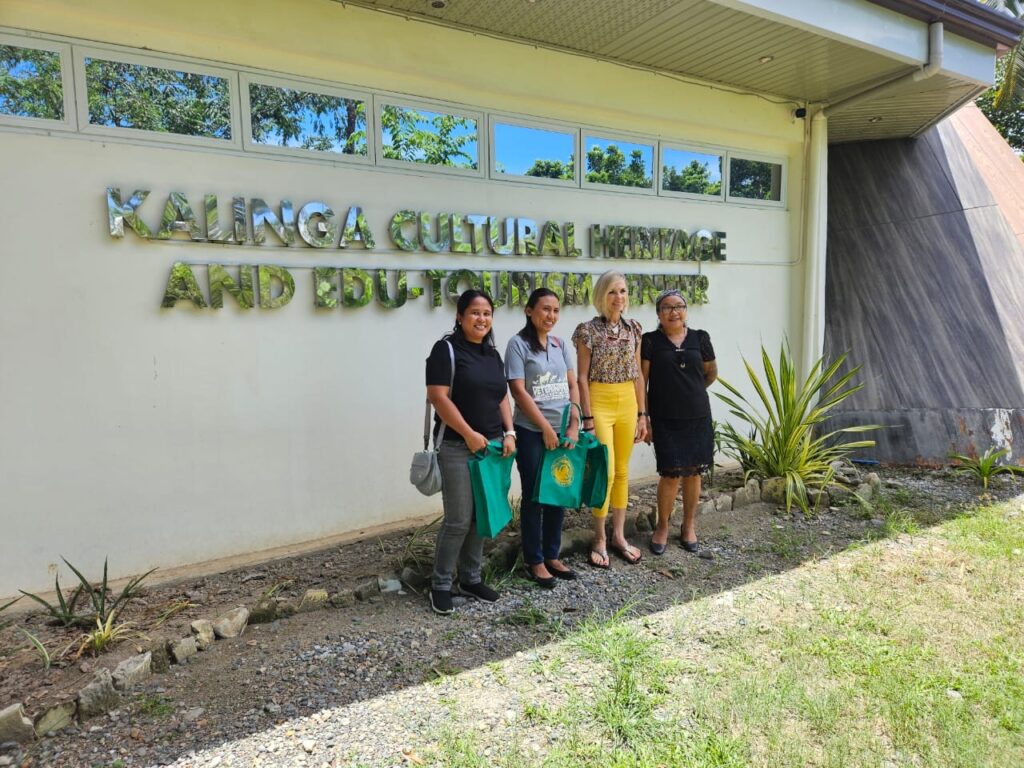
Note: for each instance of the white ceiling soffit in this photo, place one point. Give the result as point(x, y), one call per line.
point(800, 50)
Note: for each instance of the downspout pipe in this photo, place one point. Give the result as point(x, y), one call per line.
point(815, 237)
point(930, 67)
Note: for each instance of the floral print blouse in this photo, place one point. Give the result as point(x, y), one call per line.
point(612, 351)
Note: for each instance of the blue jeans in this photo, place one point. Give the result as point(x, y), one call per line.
point(541, 523)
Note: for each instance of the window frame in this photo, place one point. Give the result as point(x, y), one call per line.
point(762, 158)
point(493, 118)
point(70, 121)
point(397, 100)
point(697, 149)
point(247, 78)
point(81, 53)
point(597, 133)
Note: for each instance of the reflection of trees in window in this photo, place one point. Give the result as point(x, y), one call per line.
point(553, 169)
point(609, 166)
point(694, 177)
point(434, 139)
point(289, 118)
point(754, 179)
point(123, 95)
point(30, 83)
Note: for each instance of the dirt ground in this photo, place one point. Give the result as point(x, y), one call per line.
point(244, 683)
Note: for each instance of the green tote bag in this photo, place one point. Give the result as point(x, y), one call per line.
point(595, 473)
point(490, 475)
point(560, 475)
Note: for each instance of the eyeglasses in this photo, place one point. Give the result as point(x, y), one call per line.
point(673, 307)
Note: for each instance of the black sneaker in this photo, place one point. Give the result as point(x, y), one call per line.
point(480, 591)
point(441, 601)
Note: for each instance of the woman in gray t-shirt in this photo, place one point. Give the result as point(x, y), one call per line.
point(541, 373)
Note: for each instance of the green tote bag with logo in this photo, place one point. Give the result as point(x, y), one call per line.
point(595, 472)
point(560, 475)
point(490, 475)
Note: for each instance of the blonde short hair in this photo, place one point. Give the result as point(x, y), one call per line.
point(601, 288)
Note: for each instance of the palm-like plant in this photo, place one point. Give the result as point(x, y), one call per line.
point(986, 466)
point(784, 440)
point(1010, 93)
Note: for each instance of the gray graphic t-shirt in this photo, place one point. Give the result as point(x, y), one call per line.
point(545, 375)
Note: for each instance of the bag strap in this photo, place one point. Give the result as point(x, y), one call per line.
point(426, 414)
point(565, 418)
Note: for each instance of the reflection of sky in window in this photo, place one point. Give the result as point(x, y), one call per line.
point(323, 139)
point(517, 147)
point(425, 123)
point(625, 147)
point(680, 158)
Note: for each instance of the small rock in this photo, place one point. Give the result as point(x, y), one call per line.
point(193, 714)
point(817, 499)
point(271, 708)
point(160, 662)
point(232, 623)
point(346, 598)
point(411, 577)
point(6, 760)
point(706, 554)
point(308, 745)
point(182, 649)
point(286, 608)
point(133, 670)
point(56, 718)
point(264, 612)
point(741, 498)
point(954, 694)
point(875, 482)
point(14, 726)
point(389, 584)
point(865, 491)
point(314, 600)
point(98, 696)
point(368, 590)
point(706, 507)
point(723, 503)
point(643, 522)
point(203, 630)
point(773, 490)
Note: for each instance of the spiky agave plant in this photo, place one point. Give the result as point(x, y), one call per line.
point(986, 466)
point(784, 440)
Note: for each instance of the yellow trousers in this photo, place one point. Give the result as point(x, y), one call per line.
point(614, 409)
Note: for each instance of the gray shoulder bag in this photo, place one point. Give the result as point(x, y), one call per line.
point(425, 472)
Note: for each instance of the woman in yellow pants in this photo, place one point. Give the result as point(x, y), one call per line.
point(612, 396)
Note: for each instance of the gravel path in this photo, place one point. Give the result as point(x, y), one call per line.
point(378, 683)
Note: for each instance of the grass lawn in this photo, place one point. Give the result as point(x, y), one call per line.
point(908, 651)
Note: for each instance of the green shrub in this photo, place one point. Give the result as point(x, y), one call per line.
point(986, 466)
point(783, 440)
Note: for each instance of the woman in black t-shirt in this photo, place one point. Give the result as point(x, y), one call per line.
point(678, 364)
point(472, 408)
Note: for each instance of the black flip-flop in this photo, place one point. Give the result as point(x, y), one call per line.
point(623, 553)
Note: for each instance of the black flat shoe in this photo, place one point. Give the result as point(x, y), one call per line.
point(689, 546)
point(544, 582)
point(658, 549)
point(567, 574)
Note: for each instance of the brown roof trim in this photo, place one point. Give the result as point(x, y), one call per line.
point(967, 18)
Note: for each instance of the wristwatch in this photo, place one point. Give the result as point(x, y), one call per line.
point(510, 433)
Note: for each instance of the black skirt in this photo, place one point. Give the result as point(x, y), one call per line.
point(683, 447)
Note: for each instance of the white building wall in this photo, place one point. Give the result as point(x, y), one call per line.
point(160, 437)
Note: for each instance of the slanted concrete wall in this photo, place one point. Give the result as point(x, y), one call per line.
point(925, 289)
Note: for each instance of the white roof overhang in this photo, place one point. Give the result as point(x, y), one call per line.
point(804, 51)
